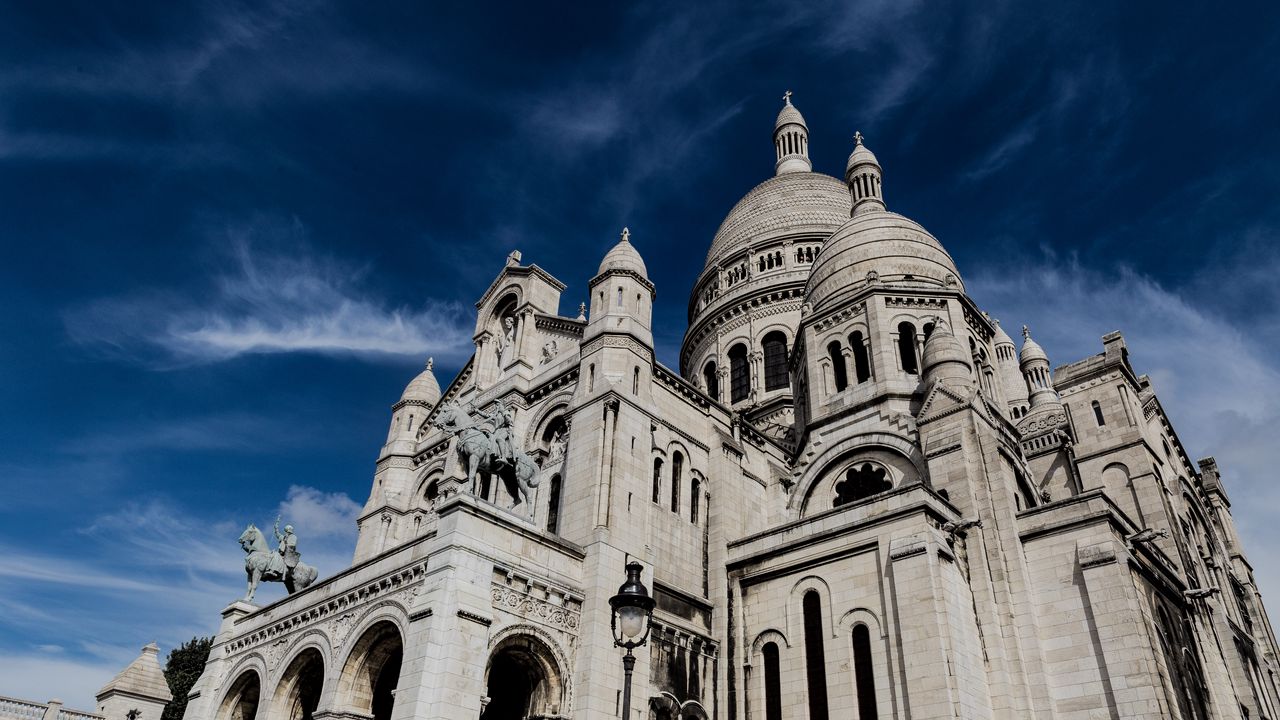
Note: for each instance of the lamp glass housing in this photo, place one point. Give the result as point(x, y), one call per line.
point(630, 622)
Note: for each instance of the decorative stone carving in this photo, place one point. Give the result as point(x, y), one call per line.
point(526, 606)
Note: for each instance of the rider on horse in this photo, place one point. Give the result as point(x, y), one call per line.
point(502, 421)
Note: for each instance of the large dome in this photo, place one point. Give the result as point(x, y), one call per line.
point(882, 247)
point(791, 204)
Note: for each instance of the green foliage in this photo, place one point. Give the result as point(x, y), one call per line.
point(181, 670)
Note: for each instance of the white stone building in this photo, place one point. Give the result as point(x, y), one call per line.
point(855, 499)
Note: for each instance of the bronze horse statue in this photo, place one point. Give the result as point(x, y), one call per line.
point(481, 454)
point(263, 563)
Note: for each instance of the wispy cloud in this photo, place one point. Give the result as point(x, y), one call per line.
point(154, 570)
point(270, 300)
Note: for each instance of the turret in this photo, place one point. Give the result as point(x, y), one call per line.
point(1035, 370)
point(1010, 376)
point(862, 174)
point(621, 295)
point(419, 397)
point(791, 140)
point(945, 360)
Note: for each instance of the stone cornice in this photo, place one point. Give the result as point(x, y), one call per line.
point(518, 271)
point(557, 323)
point(644, 281)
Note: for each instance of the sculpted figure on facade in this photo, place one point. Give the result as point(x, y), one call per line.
point(490, 451)
point(284, 564)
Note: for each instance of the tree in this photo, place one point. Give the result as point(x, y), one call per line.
point(181, 669)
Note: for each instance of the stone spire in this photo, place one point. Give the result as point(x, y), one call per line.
point(791, 140)
point(862, 174)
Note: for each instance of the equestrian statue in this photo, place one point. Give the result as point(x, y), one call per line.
point(284, 564)
point(490, 448)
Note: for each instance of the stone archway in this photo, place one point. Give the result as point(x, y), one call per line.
point(241, 701)
point(372, 671)
point(298, 692)
point(522, 681)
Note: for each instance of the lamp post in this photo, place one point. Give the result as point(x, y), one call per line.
point(632, 610)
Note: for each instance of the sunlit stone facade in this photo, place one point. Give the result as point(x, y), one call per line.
point(857, 498)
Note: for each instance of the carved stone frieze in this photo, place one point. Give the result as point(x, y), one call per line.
point(402, 586)
point(517, 602)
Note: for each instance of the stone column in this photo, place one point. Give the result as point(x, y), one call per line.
point(483, 362)
point(606, 463)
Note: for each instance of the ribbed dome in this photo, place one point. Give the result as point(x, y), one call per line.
point(861, 156)
point(892, 248)
point(624, 256)
point(788, 115)
point(423, 388)
point(1031, 349)
point(944, 357)
point(1001, 337)
point(798, 203)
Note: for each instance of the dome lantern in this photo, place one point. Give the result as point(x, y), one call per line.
point(862, 175)
point(791, 140)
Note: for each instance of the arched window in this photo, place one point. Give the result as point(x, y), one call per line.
point(864, 677)
point(619, 297)
point(739, 374)
point(1097, 414)
point(861, 360)
point(775, 361)
point(840, 375)
point(712, 380)
point(694, 487)
point(657, 479)
point(861, 481)
point(907, 348)
point(635, 381)
point(772, 682)
point(553, 505)
point(815, 659)
point(677, 469)
point(591, 378)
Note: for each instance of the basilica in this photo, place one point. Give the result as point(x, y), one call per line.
point(858, 496)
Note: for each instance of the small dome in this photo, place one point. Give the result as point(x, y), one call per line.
point(793, 204)
point(1002, 337)
point(860, 155)
point(1031, 349)
point(789, 115)
point(882, 247)
point(423, 388)
point(624, 256)
point(943, 356)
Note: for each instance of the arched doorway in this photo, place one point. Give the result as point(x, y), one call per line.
point(522, 681)
point(241, 701)
point(298, 693)
point(372, 671)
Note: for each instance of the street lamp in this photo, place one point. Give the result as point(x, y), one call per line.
point(632, 610)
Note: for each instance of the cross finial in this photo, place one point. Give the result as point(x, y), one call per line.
point(430, 362)
point(513, 258)
point(857, 137)
point(786, 97)
point(1026, 332)
point(626, 234)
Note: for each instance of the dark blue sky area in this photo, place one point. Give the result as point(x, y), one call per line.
point(230, 234)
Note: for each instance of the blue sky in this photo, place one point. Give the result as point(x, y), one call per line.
point(230, 234)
